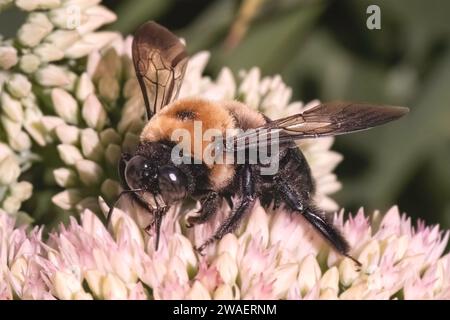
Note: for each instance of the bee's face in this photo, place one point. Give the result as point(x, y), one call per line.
point(166, 182)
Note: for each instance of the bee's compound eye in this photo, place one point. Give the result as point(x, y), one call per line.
point(136, 169)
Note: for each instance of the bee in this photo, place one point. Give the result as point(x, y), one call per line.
point(156, 182)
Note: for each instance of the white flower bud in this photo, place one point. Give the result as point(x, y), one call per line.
point(64, 177)
point(347, 272)
point(112, 154)
point(110, 188)
point(85, 87)
point(29, 63)
point(69, 154)
point(229, 243)
point(34, 30)
point(21, 190)
point(53, 76)
point(51, 122)
point(97, 16)
point(48, 52)
point(65, 285)
point(328, 294)
point(89, 203)
point(90, 145)
point(93, 113)
point(30, 5)
point(89, 43)
point(9, 170)
point(309, 274)
point(67, 199)
point(67, 134)
point(81, 295)
point(226, 292)
point(227, 268)
point(20, 141)
point(19, 86)
point(33, 125)
point(63, 39)
point(355, 292)
point(94, 279)
point(11, 107)
point(11, 204)
point(370, 256)
point(109, 136)
point(258, 225)
point(283, 277)
point(11, 127)
point(330, 280)
point(19, 269)
point(8, 57)
point(90, 173)
point(198, 292)
point(65, 105)
point(113, 288)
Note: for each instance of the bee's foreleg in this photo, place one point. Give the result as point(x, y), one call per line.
point(210, 204)
point(244, 206)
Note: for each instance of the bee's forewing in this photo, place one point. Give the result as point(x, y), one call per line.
point(160, 61)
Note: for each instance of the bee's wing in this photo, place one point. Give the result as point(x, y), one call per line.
point(160, 60)
point(327, 119)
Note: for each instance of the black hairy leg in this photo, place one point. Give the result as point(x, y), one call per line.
point(210, 204)
point(245, 204)
point(315, 217)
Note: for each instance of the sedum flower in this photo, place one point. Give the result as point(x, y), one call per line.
point(85, 260)
point(34, 85)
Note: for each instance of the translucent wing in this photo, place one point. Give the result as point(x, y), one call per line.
point(160, 60)
point(327, 119)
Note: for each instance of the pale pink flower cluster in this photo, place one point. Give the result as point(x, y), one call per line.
point(274, 255)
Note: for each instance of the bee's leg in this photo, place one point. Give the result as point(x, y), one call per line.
point(315, 217)
point(210, 204)
point(245, 205)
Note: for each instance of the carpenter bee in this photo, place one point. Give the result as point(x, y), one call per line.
point(156, 181)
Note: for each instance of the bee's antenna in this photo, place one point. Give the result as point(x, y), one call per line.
point(111, 208)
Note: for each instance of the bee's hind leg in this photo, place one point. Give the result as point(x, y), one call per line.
point(316, 218)
point(244, 206)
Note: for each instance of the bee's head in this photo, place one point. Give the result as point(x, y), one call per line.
point(150, 176)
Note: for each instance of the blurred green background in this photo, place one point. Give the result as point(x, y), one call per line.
point(323, 49)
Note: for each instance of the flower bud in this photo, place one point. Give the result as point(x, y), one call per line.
point(330, 280)
point(67, 134)
point(21, 190)
point(69, 154)
point(283, 277)
point(88, 43)
point(228, 243)
point(20, 141)
point(356, 292)
point(30, 5)
point(19, 86)
point(81, 295)
point(51, 122)
point(63, 39)
point(108, 88)
point(29, 63)
point(328, 294)
point(97, 16)
point(347, 272)
point(113, 288)
point(11, 107)
point(226, 292)
point(370, 256)
point(227, 268)
point(90, 145)
point(109, 136)
point(8, 57)
point(65, 285)
point(309, 274)
point(65, 105)
point(48, 52)
point(93, 113)
point(94, 279)
point(54, 76)
point(110, 188)
point(64, 177)
point(67, 199)
point(11, 204)
point(198, 292)
point(34, 30)
point(90, 173)
point(112, 154)
point(9, 170)
point(85, 87)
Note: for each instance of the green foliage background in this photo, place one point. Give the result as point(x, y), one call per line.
point(324, 50)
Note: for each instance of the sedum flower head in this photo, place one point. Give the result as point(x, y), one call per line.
point(31, 68)
point(274, 255)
